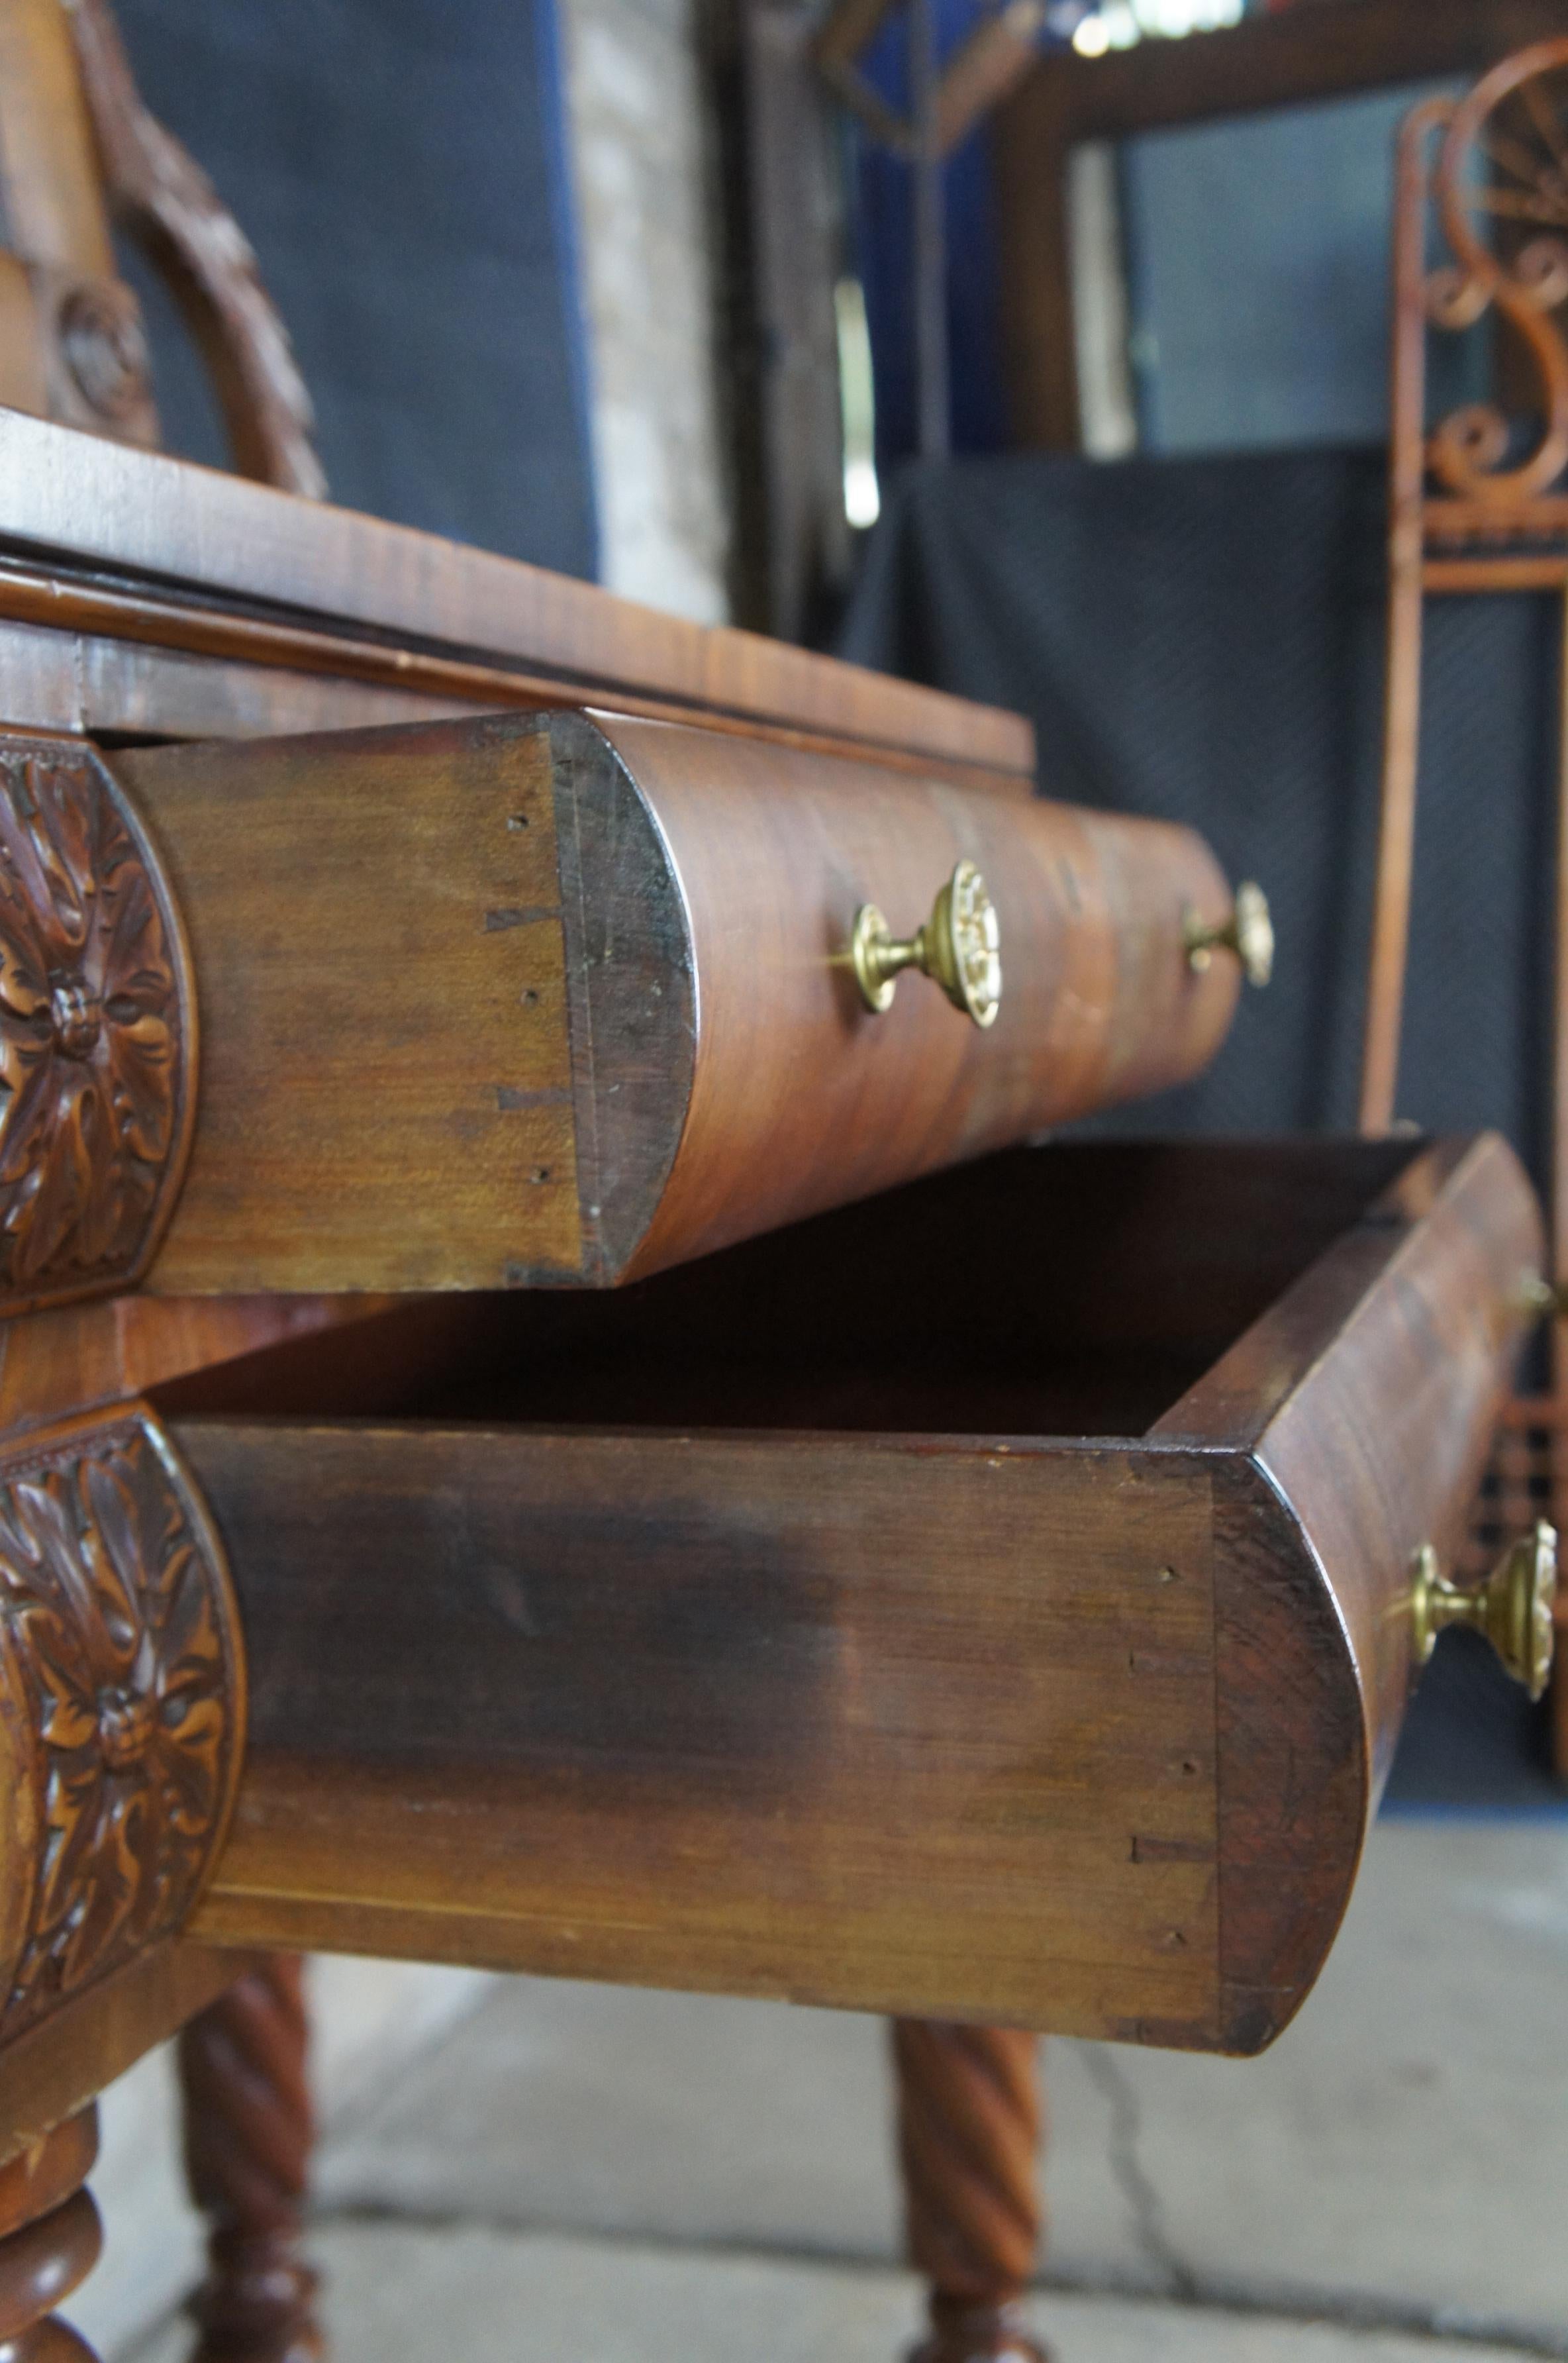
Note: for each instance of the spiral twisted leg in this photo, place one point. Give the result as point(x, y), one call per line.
point(969, 2129)
point(50, 2239)
point(248, 2132)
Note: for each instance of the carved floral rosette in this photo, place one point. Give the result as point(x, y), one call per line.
point(122, 1704)
point(97, 1031)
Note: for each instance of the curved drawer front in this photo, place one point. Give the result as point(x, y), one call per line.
point(834, 1618)
point(801, 1098)
point(570, 998)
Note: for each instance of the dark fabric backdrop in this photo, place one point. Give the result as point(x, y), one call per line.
point(399, 167)
point(1202, 640)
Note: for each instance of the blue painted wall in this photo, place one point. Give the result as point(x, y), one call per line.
point(400, 167)
point(1258, 257)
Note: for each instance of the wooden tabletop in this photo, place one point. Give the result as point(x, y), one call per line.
point(133, 545)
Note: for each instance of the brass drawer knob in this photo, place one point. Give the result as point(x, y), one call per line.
point(1513, 1607)
point(1543, 1300)
point(1248, 932)
point(958, 948)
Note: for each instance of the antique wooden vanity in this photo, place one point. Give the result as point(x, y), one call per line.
point(558, 1408)
point(559, 1412)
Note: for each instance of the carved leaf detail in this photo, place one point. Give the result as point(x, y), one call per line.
point(118, 1616)
point(92, 1033)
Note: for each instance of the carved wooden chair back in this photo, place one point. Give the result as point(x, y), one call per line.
point(1478, 501)
point(79, 155)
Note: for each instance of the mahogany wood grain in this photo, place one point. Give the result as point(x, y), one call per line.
point(818, 1667)
point(1099, 1004)
point(1372, 1449)
point(86, 1357)
point(61, 2064)
point(53, 2170)
point(197, 673)
point(1373, 1445)
point(125, 688)
point(50, 2239)
point(871, 1722)
point(523, 1000)
point(88, 684)
point(156, 522)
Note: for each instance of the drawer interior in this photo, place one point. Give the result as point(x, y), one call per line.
point(1067, 1289)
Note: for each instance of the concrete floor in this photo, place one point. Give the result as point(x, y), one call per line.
point(573, 2174)
point(495, 2297)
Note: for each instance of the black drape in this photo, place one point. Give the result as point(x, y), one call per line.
point(1203, 640)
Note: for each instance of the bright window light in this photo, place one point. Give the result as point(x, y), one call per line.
point(1119, 24)
point(862, 493)
point(858, 399)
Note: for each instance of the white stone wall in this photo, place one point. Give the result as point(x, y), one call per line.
point(638, 140)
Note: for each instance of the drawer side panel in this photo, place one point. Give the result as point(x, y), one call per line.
point(385, 1096)
point(893, 1725)
point(1382, 1446)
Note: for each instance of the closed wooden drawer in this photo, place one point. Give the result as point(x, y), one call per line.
point(993, 1601)
point(542, 999)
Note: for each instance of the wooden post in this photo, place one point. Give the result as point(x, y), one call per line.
point(250, 2129)
point(1402, 694)
point(969, 2130)
point(50, 2242)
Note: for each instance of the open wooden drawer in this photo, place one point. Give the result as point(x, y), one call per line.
point(544, 999)
point(993, 1600)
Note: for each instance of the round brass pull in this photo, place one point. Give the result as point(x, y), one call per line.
point(1541, 1299)
point(1248, 932)
point(958, 948)
point(1513, 1607)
